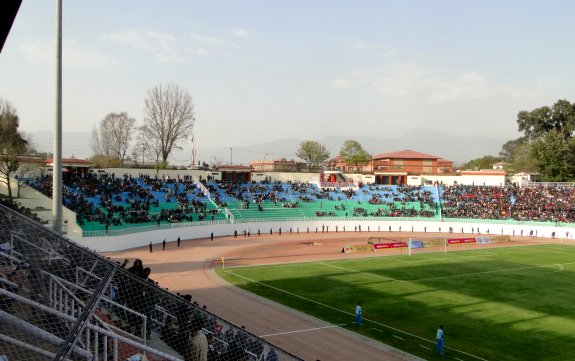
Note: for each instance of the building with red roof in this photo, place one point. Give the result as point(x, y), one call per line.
point(393, 168)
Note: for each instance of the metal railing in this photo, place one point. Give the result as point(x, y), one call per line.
point(317, 219)
point(61, 301)
point(150, 227)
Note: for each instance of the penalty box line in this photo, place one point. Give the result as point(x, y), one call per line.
point(349, 313)
point(559, 265)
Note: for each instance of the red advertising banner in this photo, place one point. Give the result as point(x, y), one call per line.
point(461, 240)
point(389, 245)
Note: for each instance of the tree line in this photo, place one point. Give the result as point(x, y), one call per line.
point(547, 145)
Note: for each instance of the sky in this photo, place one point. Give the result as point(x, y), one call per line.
point(262, 71)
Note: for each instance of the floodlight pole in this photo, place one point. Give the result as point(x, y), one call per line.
point(193, 151)
point(57, 158)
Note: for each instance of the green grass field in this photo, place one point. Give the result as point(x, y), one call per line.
point(514, 303)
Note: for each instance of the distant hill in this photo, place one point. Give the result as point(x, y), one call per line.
point(459, 149)
point(75, 144)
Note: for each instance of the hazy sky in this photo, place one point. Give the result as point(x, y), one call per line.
point(267, 70)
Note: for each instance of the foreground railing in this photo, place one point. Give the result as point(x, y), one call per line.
point(59, 301)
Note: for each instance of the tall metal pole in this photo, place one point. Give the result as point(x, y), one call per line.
point(193, 152)
point(57, 164)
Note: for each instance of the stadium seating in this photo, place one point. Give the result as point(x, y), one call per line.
point(105, 203)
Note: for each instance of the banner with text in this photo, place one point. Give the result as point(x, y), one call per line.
point(478, 240)
point(426, 243)
point(389, 245)
point(457, 241)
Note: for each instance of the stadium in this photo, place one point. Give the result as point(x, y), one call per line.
point(300, 219)
point(364, 256)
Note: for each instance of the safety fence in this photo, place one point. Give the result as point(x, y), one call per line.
point(439, 221)
point(59, 301)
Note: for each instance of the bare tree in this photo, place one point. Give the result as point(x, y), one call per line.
point(140, 148)
point(12, 144)
point(216, 162)
point(169, 117)
point(26, 170)
point(153, 144)
point(113, 136)
point(101, 143)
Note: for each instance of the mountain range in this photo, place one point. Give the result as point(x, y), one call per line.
point(456, 148)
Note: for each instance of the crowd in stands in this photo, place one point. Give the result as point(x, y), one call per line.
point(535, 203)
point(16, 206)
point(246, 193)
point(128, 200)
point(188, 329)
point(542, 204)
point(479, 202)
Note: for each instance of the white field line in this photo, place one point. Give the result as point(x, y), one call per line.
point(355, 271)
point(560, 265)
point(444, 259)
point(428, 348)
point(546, 251)
point(560, 268)
point(347, 313)
point(304, 330)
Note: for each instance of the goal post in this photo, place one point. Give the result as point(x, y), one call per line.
point(429, 244)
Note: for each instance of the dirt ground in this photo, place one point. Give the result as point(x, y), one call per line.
point(190, 269)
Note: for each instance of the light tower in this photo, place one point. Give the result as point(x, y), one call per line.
point(193, 151)
point(57, 161)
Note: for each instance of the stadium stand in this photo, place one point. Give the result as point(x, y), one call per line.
point(61, 301)
point(108, 205)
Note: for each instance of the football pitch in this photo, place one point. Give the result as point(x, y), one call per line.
point(513, 303)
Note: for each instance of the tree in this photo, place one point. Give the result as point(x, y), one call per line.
point(169, 117)
point(113, 136)
point(507, 152)
point(140, 148)
point(216, 162)
point(540, 121)
point(12, 144)
point(549, 135)
point(518, 154)
point(353, 153)
point(555, 157)
point(523, 160)
point(485, 162)
point(313, 153)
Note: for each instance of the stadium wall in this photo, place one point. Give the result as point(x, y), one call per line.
point(172, 173)
point(448, 180)
point(467, 179)
point(286, 177)
point(142, 239)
